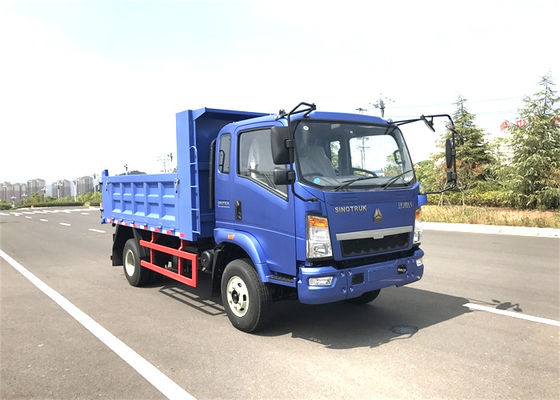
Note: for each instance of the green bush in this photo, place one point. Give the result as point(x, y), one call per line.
point(5, 205)
point(490, 198)
point(91, 198)
point(53, 204)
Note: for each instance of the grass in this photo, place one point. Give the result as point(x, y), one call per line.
point(491, 216)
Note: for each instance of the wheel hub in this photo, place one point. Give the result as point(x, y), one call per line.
point(129, 263)
point(237, 296)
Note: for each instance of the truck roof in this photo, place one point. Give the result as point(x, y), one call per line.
point(322, 115)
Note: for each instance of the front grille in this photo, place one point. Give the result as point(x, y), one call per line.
point(362, 247)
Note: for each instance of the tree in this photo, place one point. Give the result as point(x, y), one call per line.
point(474, 156)
point(535, 144)
point(431, 174)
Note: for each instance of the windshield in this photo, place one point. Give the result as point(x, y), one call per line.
point(347, 156)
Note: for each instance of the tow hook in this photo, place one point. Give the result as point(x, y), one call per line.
point(401, 269)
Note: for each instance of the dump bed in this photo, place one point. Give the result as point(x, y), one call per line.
point(177, 203)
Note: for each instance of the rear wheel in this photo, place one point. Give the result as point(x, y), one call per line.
point(134, 272)
point(246, 299)
point(367, 297)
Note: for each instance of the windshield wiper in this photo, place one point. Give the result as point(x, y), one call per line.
point(351, 181)
point(394, 178)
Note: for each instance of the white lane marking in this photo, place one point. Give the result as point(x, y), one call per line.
point(4, 214)
point(153, 375)
point(541, 320)
point(44, 220)
point(84, 213)
point(28, 217)
point(64, 224)
point(96, 230)
point(492, 229)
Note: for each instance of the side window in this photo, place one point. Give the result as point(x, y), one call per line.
point(224, 155)
point(255, 159)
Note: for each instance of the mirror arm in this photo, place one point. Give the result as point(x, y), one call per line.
point(454, 154)
point(291, 141)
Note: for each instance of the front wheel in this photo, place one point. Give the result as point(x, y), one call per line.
point(365, 298)
point(246, 299)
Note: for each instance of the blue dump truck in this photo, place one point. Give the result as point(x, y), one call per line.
point(317, 206)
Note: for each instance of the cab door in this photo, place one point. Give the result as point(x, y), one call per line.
point(261, 208)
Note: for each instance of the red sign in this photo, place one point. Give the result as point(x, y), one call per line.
point(504, 125)
point(521, 123)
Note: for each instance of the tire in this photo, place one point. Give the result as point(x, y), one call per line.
point(135, 274)
point(365, 298)
point(246, 299)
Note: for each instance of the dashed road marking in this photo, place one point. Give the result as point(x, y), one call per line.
point(44, 220)
point(84, 213)
point(64, 224)
point(27, 217)
point(512, 314)
point(96, 230)
point(153, 375)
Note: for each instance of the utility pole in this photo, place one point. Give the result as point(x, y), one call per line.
point(164, 159)
point(126, 168)
point(382, 103)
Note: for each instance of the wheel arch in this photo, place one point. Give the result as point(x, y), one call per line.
point(248, 244)
point(120, 236)
point(233, 245)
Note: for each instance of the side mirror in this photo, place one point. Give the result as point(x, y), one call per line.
point(450, 161)
point(397, 157)
point(283, 176)
point(279, 135)
point(449, 153)
point(429, 121)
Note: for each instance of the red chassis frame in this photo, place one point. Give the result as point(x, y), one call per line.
point(182, 255)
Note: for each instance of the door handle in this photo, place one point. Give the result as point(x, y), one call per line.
point(238, 210)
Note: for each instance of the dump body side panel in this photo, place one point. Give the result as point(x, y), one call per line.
point(175, 204)
point(147, 201)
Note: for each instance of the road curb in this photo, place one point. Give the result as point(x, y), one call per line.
point(492, 229)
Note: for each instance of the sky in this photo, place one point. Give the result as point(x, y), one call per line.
point(93, 85)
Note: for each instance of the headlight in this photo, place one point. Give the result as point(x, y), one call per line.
point(318, 241)
point(418, 227)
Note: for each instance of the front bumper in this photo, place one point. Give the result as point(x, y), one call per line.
point(353, 282)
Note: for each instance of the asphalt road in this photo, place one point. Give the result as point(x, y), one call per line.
point(418, 341)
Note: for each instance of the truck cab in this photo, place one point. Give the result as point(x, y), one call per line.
point(346, 228)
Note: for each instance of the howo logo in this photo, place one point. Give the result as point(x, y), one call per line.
point(404, 204)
